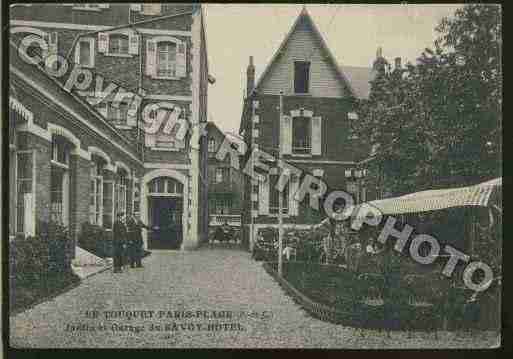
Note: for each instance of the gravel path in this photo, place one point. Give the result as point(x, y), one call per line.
point(204, 280)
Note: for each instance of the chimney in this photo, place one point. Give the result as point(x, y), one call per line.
point(250, 76)
point(397, 63)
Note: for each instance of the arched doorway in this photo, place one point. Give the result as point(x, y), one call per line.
point(165, 211)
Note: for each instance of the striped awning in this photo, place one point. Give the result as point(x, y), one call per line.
point(481, 195)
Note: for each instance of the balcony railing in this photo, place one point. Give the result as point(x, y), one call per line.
point(219, 219)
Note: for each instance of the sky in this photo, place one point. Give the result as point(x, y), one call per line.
point(353, 34)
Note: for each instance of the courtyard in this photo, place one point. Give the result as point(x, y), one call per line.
point(209, 298)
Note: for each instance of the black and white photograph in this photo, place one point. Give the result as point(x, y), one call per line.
point(252, 176)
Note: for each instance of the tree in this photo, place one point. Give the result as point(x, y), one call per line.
point(438, 122)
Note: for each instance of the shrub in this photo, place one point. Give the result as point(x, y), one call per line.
point(40, 265)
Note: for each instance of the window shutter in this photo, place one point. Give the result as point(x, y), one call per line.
point(293, 188)
point(103, 42)
point(53, 42)
point(29, 223)
point(151, 58)
point(286, 135)
point(181, 59)
point(91, 52)
point(77, 53)
point(150, 140)
point(133, 44)
point(263, 197)
point(316, 136)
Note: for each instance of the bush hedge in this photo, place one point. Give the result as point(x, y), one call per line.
point(40, 265)
point(343, 291)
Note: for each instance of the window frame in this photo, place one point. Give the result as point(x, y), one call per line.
point(92, 52)
point(308, 79)
point(96, 216)
point(308, 150)
point(157, 62)
point(118, 35)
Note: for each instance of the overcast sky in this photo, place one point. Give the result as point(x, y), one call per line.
point(352, 32)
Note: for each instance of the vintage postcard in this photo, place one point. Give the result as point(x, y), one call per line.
point(253, 175)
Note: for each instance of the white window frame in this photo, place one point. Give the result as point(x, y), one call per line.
point(96, 217)
point(160, 39)
point(159, 43)
point(112, 204)
point(121, 188)
point(92, 52)
point(116, 54)
point(29, 219)
point(65, 185)
point(309, 152)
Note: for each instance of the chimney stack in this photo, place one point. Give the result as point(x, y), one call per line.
point(250, 76)
point(398, 63)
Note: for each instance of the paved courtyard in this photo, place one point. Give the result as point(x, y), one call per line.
point(208, 280)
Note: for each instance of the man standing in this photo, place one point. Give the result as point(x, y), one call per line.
point(135, 241)
point(119, 234)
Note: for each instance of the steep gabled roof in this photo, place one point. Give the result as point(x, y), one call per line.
point(304, 15)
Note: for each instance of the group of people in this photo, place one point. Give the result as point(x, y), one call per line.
point(128, 242)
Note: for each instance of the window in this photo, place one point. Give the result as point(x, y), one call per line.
point(115, 115)
point(166, 59)
point(301, 76)
point(211, 145)
point(137, 199)
point(84, 54)
point(118, 44)
point(25, 220)
point(165, 186)
point(301, 135)
point(274, 196)
point(222, 175)
point(108, 201)
point(59, 181)
point(96, 194)
point(121, 188)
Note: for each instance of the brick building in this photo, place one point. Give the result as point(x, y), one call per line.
point(224, 183)
point(74, 159)
point(318, 106)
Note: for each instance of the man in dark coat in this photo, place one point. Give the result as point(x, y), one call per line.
point(119, 237)
point(135, 241)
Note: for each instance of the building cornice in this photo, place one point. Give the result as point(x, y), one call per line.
point(71, 26)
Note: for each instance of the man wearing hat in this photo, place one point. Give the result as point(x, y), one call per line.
point(135, 241)
point(119, 238)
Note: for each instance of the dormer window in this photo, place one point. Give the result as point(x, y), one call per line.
point(118, 44)
point(301, 77)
